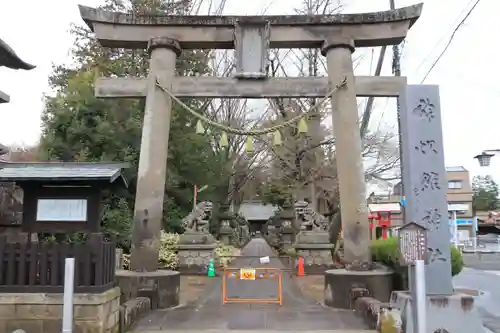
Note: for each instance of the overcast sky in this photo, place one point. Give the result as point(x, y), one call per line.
point(467, 74)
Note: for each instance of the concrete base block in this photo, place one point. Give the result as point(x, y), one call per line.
point(445, 313)
point(196, 238)
point(341, 286)
point(195, 258)
point(316, 250)
point(312, 237)
point(161, 287)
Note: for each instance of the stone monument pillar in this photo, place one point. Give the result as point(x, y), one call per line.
point(425, 185)
point(148, 213)
point(350, 171)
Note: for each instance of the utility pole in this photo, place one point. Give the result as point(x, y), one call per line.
point(396, 71)
point(396, 58)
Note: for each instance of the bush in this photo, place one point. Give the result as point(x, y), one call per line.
point(169, 245)
point(292, 253)
point(224, 254)
point(168, 258)
point(387, 253)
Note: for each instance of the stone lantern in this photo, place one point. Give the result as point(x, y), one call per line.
point(286, 217)
point(226, 229)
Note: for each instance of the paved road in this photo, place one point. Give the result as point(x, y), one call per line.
point(489, 302)
point(296, 314)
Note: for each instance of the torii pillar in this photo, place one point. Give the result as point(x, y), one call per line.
point(350, 170)
point(144, 278)
point(148, 209)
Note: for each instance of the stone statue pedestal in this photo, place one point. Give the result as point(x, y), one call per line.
point(195, 251)
point(457, 313)
point(316, 250)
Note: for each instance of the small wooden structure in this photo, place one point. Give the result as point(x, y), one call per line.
point(59, 198)
point(62, 197)
point(381, 218)
point(412, 240)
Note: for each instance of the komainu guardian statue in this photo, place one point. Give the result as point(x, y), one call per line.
point(308, 219)
point(196, 244)
point(198, 220)
point(317, 238)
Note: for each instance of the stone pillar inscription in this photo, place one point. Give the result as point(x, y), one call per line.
point(148, 211)
point(350, 170)
point(424, 180)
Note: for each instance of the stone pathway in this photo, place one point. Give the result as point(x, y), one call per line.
point(296, 313)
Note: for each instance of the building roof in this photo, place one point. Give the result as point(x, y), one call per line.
point(455, 169)
point(384, 207)
point(458, 207)
point(4, 98)
point(57, 171)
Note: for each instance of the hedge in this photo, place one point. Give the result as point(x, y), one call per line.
point(387, 253)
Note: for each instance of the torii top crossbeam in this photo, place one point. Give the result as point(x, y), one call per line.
point(114, 29)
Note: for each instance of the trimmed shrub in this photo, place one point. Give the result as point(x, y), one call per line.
point(169, 245)
point(224, 254)
point(168, 258)
point(387, 253)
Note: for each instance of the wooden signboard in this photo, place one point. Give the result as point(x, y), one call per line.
point(412, 243)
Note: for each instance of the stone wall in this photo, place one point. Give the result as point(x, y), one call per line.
point(42, 313)
point(132, 310)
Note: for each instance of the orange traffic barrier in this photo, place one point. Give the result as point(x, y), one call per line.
point(252, 274)
point(300, 268)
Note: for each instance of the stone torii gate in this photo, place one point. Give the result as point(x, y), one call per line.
point(251, 36)
point(424, 175)
point(166, 36)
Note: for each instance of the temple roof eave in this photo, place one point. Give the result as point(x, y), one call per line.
point(10, 59)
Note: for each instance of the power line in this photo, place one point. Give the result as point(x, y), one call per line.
point(450, 41)
point(443, 37)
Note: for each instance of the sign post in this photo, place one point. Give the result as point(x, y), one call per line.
point(413, 248)
point(69, 282)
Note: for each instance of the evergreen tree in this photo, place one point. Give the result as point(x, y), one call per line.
point(77, 126)
point(485, 194)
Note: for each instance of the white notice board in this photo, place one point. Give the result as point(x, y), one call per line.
point(61, 210)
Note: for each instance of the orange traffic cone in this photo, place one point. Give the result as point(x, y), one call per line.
point(300, 268)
